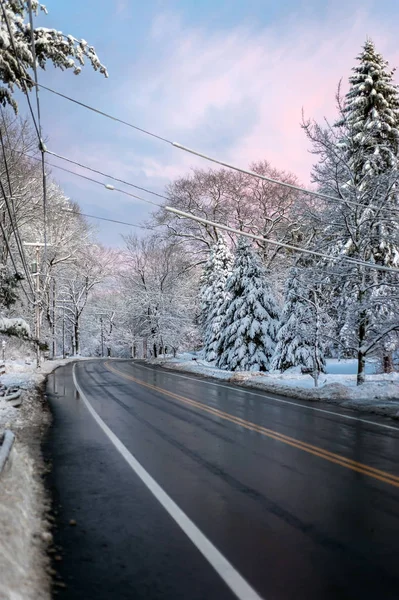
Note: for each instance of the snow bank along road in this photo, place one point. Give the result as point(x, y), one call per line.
point(187, 488)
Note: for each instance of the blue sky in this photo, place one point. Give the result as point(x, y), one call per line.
point(229, 78)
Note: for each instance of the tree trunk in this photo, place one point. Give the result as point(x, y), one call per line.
point(155, 350)
point(362, 329)
point(387, 362)
point(361, 368)
point(76, 336)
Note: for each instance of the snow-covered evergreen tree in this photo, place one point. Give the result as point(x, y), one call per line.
point(294, 336)
point(371, 114)
point(299, 334)
point(214, 295)
point(205, 283)
point(359, 166)
point(250, 315)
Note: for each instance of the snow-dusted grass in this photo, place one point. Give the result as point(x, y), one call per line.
point(380, 393)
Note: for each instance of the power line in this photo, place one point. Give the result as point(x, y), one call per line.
point(83, 166)
point(238, 232)
point(281, 244)
point(191, 151)
point(104, 114)
point(12, 260)
point(41, 144)
point(67, 210)
point(25, 88)
point(12, 218)
point(107, 186)
point(206, 157)
point(74, 162)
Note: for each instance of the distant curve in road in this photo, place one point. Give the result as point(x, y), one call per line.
point(299, 503)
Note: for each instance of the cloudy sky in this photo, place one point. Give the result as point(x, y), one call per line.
point(226, 77)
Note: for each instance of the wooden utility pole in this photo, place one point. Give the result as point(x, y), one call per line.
point(37, 296)
point(37, 303)
point(63, 328)
point(54, 328)
point(102, 336)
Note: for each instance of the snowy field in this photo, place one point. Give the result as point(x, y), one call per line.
point(380, 393)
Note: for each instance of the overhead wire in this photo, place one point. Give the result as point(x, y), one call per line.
point(102, 218)
point(201, 155)
point(13, 222)
point(104, 114)
point(88, 168)
point(190, 150)
point(13, 261)
point(22, 79)
point(246, 234)
point(78, 164)
point(197, 153)
point(107, 186)
point(41, 143)
point(281, 244)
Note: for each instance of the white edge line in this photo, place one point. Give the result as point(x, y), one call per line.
point(249, 391)
point(225, 570)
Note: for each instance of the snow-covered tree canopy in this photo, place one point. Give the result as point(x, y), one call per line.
point(358, 164)
point(298, 337)
point(371, 114)
point(238, 200)
point(160, 293)
point(213, 295)
point(64, 51)
point(250, 315)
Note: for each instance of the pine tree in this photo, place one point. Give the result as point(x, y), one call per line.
point(250, 315)
point(204, 296)
point(371, 114)
point(214, 296)
point(298, 337)
point(359, 165)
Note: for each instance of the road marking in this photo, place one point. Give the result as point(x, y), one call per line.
point(238, 585)
point(249, 391)
point(270, 433)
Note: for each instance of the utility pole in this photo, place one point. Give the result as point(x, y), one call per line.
point(54, 329)
point(37, 307)
point(37, 298)
point(63, 328)
point(102, 336)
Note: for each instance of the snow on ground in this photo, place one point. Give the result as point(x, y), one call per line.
point(380, 393)
point(24, 530)
point(22, 559)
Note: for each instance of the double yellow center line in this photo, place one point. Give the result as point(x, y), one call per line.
point(270, 433)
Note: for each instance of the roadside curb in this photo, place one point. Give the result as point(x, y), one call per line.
point(7, 441)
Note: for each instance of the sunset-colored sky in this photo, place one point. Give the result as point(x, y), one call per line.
point(228, 78)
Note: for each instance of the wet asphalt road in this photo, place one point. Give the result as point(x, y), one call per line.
point(279, 489)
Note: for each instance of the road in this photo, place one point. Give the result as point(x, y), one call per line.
point(183, 487)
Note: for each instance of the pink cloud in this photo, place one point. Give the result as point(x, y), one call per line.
point(278, 71)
